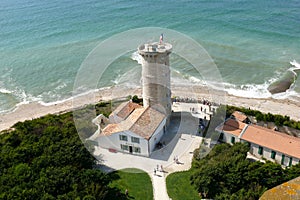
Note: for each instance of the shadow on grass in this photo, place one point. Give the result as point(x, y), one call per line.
point(116, 194)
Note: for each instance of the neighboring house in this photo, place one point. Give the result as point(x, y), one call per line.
point(265, 143)
point(272, 145)
point(239, 116)
point(133, 129)
point(231, 130)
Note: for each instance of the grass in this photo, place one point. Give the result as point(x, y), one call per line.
point(179, 186)
point(137, 182)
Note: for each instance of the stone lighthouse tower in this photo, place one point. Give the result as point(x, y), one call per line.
point(156, 76)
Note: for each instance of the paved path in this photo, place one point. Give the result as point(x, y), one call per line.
point(183, 150)
point(185, 158)
point(159, 186)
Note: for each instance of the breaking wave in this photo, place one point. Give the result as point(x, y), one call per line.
point(244, 90)
point(286, 81)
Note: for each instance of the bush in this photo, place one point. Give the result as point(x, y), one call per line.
point(135, 99)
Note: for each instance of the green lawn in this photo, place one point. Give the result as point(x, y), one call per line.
point(137, 182)
point(179, 186)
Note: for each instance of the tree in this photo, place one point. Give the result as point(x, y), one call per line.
point(226, 173)
point(45, 159)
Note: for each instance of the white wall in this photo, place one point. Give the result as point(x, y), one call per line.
point(266, 151)
point(296, 161)
point(155, 138)
point(113, 142)
point(227, 138)
point(267, 155)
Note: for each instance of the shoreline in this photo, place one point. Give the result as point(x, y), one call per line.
point(35, 109)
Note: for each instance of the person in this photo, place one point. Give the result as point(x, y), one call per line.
point(177, 162)
point(154, 171)
point(161, 168)
point(126, 193)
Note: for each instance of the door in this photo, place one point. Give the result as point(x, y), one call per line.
point(130, 149)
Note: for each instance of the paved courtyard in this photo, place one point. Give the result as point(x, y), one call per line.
point(180, 141)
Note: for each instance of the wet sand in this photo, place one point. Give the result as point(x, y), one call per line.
point(35, 109)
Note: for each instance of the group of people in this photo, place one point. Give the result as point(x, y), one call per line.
point(195, 110)
point(185, 100)
point(192, 100)
point(206, 102)
point(176, 160)
point(158, 168)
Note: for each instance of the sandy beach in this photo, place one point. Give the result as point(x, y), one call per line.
point(35, 109)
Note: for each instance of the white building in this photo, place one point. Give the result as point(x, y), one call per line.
point(272, 145)
point(136, 129)
point(231, 131)
point(264, 143)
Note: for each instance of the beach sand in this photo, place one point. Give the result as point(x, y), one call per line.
point(34, 110)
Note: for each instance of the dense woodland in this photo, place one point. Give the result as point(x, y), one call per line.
point(45, 159)
point(225, 173)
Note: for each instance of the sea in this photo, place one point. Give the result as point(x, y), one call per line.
point(43, 43)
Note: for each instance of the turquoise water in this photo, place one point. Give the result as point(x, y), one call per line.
point(43, 43)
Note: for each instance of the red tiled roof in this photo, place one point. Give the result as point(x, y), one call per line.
point(274, 140)
point(239, 116)
point(125, 109)
point(111, 128)
point(147, 123)
point(232, 126)
point(141, 121)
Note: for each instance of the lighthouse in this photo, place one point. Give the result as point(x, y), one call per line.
point(156, 89)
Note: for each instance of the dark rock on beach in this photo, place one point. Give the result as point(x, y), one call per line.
point(283, 84)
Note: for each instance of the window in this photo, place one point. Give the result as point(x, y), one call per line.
point(282, 159)
point(135, 140)
point(232, 140)
point(291, 160)
point(137, 149)
point(273, 154)
point(260, 150)
point(123, 137)
point(124, 147)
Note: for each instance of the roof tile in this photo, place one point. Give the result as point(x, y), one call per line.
point(274, 140)
point(137, 119)
point(232, 126)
